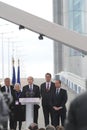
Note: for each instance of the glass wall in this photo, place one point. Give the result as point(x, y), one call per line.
point(76, 19)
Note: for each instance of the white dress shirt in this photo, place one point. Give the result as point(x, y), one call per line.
point(31, 86)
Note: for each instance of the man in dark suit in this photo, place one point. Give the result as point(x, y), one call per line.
point(32, 90)
point(77, 115)
point(46, 90)
point(58, 101)
point(7, 88)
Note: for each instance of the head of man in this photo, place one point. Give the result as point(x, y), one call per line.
point(48, 77)
point(59, 128)
point(30, 80)
point(41, 128)
point(17, 87)
point(33, 126)
point(7, 82)
point(58, 83)
point(50, 127)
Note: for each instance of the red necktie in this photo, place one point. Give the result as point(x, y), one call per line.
point(47, 88)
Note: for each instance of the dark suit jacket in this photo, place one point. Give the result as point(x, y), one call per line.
point(3, 89)
point(77, 116)
point(36, 92)
point(59, 100)
point(46, 95)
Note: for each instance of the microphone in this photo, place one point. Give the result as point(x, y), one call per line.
point(30, 94)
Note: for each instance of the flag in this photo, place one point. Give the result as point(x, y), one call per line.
point(18, 72)
point(13, 73)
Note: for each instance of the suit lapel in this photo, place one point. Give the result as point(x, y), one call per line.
point(45, 86)
point(28, 88)
point(4, 88)
point(60, 91)
point(51, 85)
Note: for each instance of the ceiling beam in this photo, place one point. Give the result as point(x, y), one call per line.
point(44, 27)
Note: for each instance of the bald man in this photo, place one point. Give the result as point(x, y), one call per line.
point(32, 91)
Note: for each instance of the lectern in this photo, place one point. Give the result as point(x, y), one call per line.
point(29, 102)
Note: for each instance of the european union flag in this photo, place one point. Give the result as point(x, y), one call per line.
point(18, 72)
point(13, 74)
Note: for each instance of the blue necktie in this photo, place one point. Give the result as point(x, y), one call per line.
point(31, 88)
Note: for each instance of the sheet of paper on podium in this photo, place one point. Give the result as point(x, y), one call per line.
point(29, 100)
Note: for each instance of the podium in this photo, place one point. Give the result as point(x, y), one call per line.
point(29, 102)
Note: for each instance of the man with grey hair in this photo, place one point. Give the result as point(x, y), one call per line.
point(9, 90)
point(4, 113)
point(33, 126)
point(32, 91)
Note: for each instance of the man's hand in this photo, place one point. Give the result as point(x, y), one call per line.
point(57, 108)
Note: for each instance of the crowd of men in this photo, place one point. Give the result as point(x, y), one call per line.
point(52, 95)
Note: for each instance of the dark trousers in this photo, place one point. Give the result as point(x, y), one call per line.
point(35, 118)
point(11, 120)
point(57, 116)
point(15, 125)
point(47, 113)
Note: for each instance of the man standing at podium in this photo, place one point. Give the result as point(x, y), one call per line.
point(32, 90)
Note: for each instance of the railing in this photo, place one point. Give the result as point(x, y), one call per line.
point(76, 83)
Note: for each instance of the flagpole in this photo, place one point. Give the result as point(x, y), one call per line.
point(18, 73)
point(2, 60)
point(12, 61)
point(13, 73)
point(18, 62)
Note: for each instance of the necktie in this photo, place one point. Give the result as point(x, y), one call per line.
point(57, 91)
point(8, 89)
point(30, 88)
point(47, 88)
point(47, 85)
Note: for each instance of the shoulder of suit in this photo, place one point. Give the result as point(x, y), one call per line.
point(64, 90)
point(52, 82)
point(11, 86)
point(36, 85)
point(43, 84)
point(25, 86)
point(3, 87)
